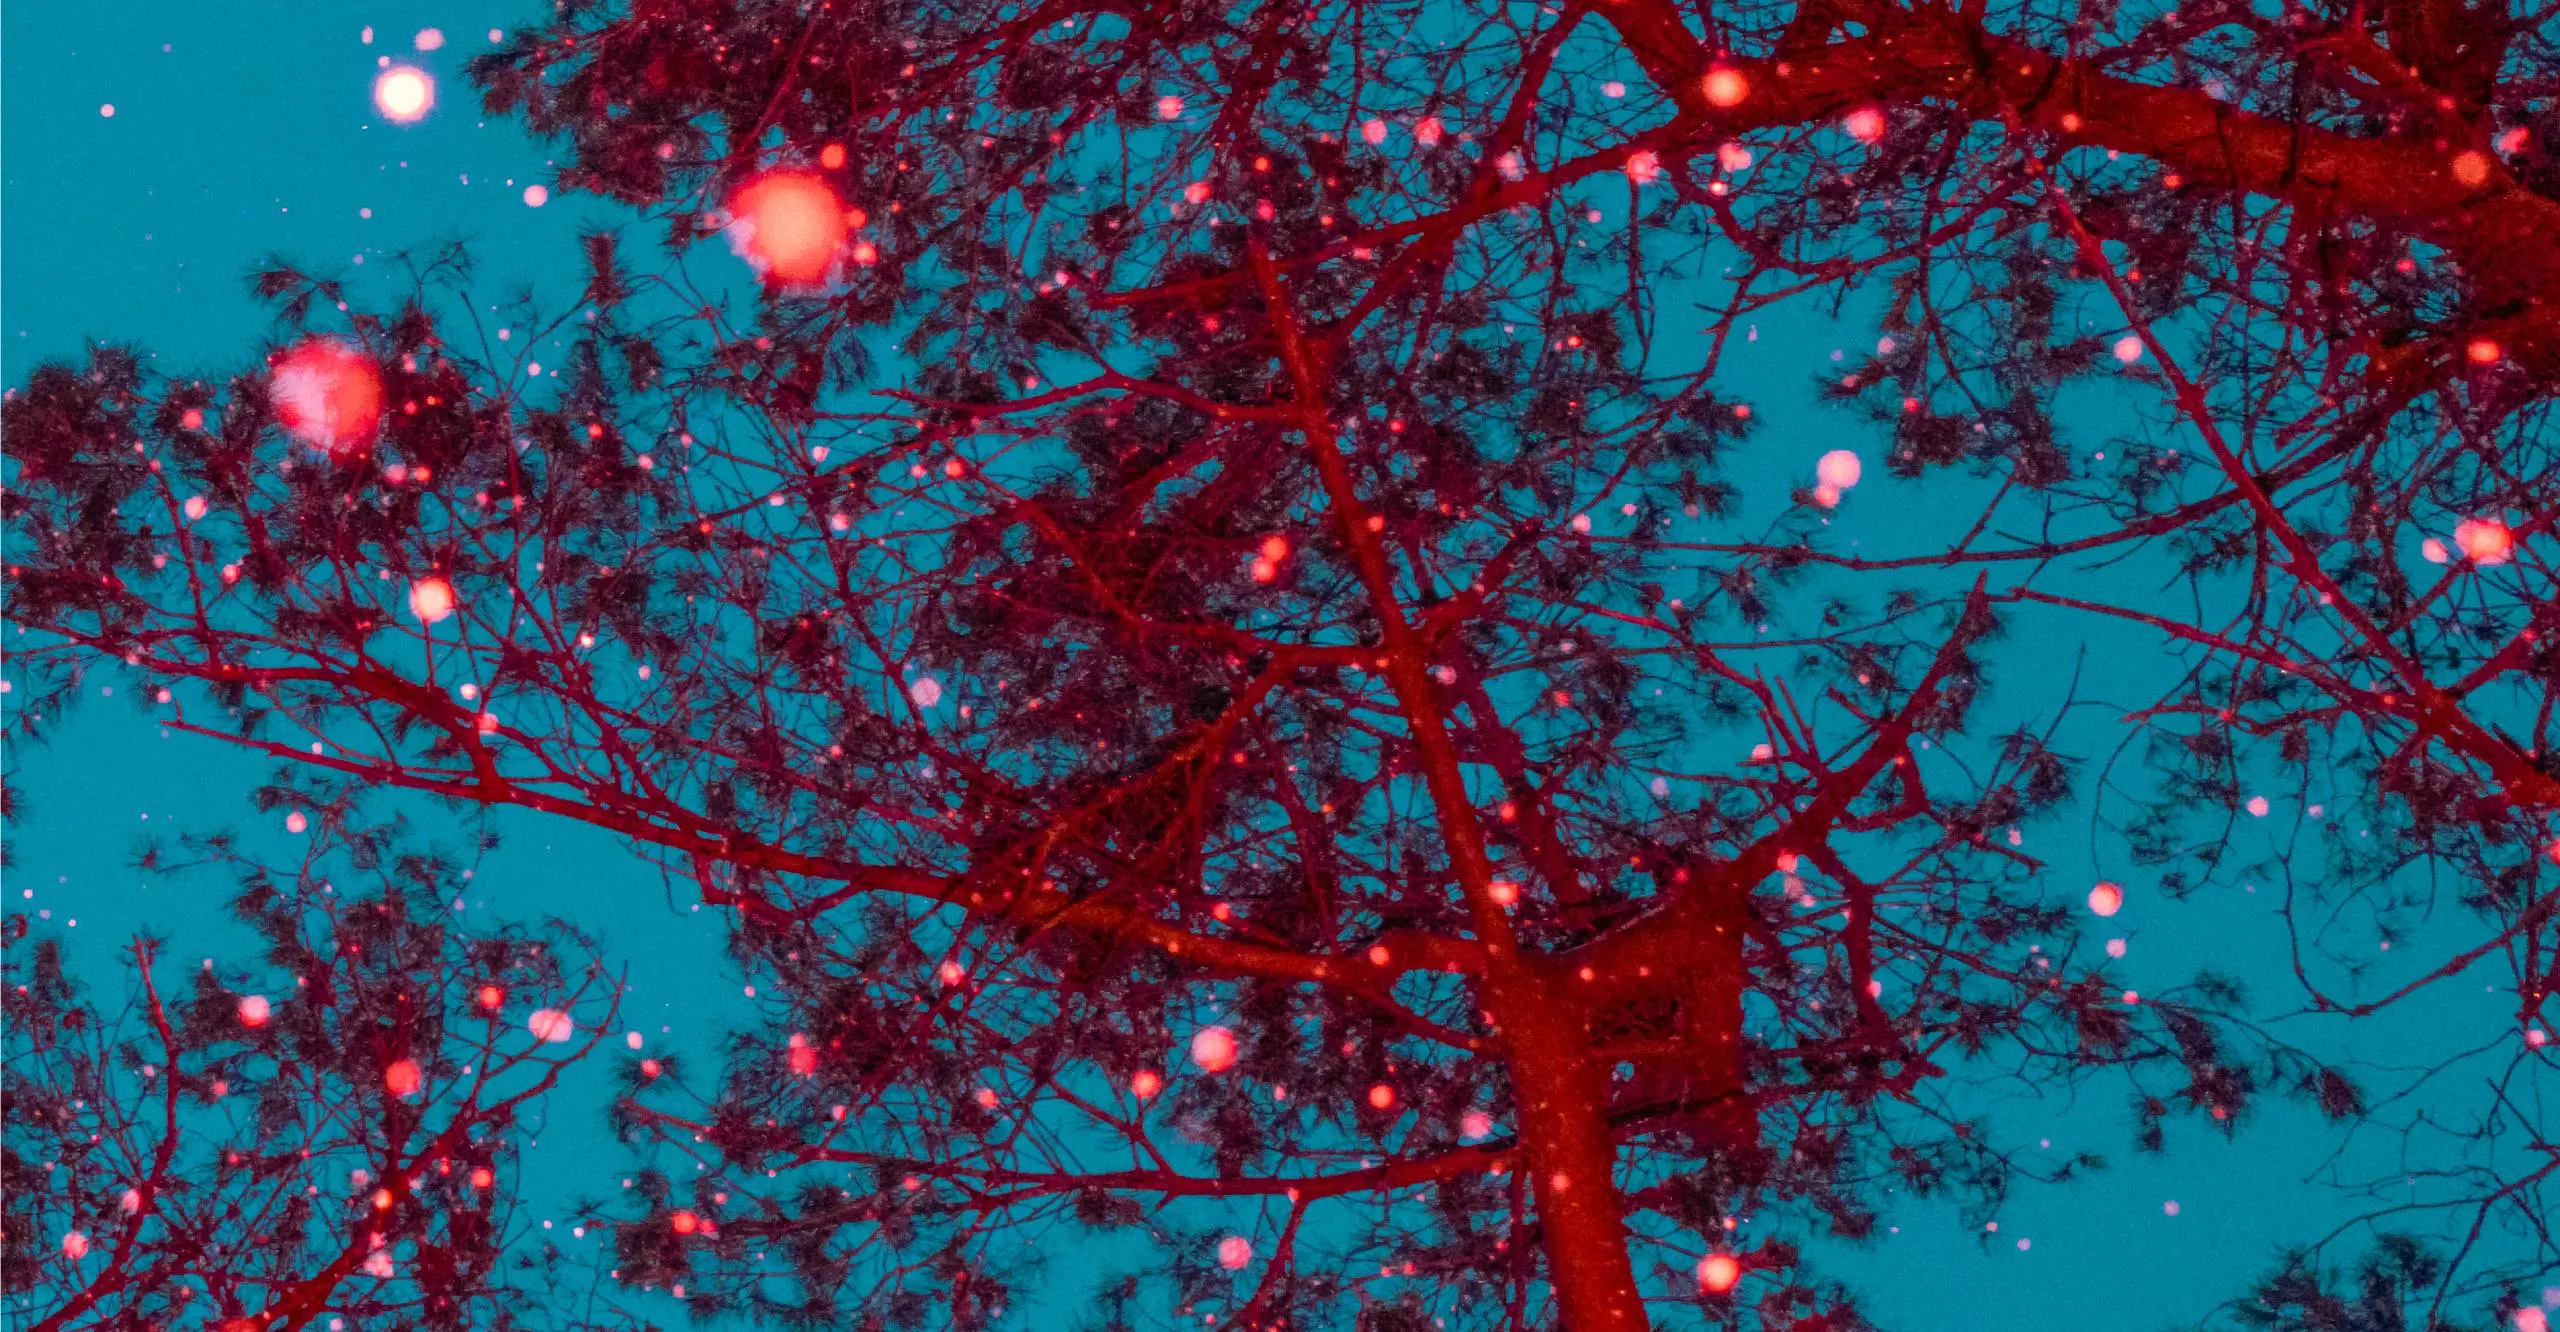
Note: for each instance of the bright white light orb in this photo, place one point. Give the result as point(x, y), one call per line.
point(404, 94)
point(431, 599)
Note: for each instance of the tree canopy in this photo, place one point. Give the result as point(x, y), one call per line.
point(1191, 578)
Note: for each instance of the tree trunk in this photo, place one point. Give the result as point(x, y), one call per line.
point(1571, 1156)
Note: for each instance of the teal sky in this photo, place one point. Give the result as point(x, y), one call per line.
point(245, 127)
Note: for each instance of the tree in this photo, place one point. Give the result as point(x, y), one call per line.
point(1222, 635)
point(331, 1131)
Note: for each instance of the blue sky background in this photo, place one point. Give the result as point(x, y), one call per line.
point(245, 128)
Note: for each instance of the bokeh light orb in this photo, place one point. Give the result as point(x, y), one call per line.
point(431, 599)
point(2106, 899)
point(2484, 540)
point(1214, 1049)
point(789, 225)
point(1718, 1273)
point(404, 94)
point(327, 395)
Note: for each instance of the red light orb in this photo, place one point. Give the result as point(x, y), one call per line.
point(1718, 1273)
point(255, 1010)
point(1214, 1049)
point(402, 1077)
point(2484, 540)
point(789, 225)
point(685, 1222)
point(327, 395)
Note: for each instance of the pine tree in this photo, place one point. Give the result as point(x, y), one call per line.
point(1216, 625)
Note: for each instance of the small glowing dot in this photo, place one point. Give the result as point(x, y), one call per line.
point(1726, 87)
point(536, 196)
point(108, 110)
